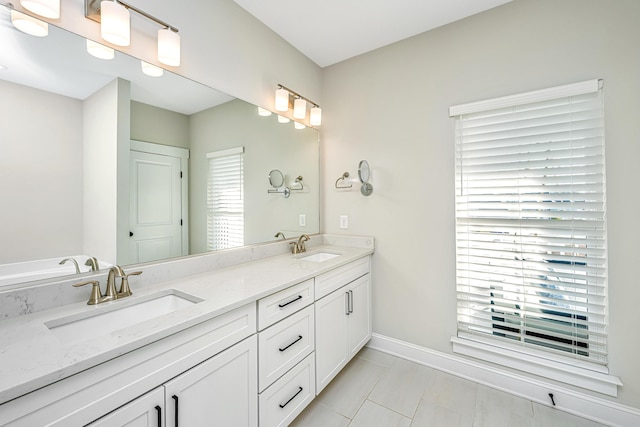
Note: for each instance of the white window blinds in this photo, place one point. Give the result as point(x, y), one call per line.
point(225, 199)
point(530, 221)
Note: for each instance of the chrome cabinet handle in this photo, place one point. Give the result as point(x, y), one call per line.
point(282, 405)
point(350, 301)
point(299, 297)
point(346, 303)
point(295, 341)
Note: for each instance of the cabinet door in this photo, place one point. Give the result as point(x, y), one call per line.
point(331, 336)
point(359, 327)
point(145, 411)
point(220, 391)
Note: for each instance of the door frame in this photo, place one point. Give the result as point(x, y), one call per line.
point(183, 155)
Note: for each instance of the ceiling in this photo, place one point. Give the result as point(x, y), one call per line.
point(330, 31)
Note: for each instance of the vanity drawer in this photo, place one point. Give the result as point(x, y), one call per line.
point(287, 397)
point(334, 279)
point(281, 304)
point(284, 344)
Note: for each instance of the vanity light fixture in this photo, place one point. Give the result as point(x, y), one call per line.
point(28, 24)
point(45, 8)
point(298, 125)
point(99, 50)
point(115, 27)
point(283, 119)
point(286, 98)
point(263, 112)
point(151, 70)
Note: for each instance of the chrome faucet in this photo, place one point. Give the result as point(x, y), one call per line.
point(298, 247)
point(75, 263)
point(93, 263)
point(110, 293)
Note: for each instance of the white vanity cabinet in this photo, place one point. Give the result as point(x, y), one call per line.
point(343, 318)
point(220, 390)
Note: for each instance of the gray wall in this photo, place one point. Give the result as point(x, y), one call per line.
point(391, 107)
point(160, 126)
point(40, 146)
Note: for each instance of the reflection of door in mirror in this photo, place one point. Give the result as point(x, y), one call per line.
point(158, 204)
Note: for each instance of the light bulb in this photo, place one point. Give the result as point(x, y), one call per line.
point(99, 51)
point(151, 70)
point(169, 47)
point(298, 125)
point(315, 118)
point(299, 109)
point(28, 24)
point(263, 112)
point(47, 8)
point(283, 119)
point(282, 100)
point(115, 23)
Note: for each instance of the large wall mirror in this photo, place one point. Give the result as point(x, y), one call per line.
point(101, 160)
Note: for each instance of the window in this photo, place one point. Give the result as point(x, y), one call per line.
point(225, 199)
point(530, 223)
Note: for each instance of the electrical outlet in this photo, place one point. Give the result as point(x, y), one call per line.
point(344, 221)
point(302, 220)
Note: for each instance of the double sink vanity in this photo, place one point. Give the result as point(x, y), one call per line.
point(235, 345)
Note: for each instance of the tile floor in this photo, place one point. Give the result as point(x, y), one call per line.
point(378, 389)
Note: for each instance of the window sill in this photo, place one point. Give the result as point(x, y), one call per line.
point(475, 347)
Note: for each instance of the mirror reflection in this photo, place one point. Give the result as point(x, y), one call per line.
point(100, 160)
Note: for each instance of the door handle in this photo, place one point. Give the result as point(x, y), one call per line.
point(346, 303)
point(175, 399)
point(350, 301)
point(282, 405)
point(299, 297)
point(295, 341)
point(159, 411)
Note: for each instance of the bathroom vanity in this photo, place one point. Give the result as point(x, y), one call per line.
point(250, 344)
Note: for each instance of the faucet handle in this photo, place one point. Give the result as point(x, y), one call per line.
point(295, 248)
point(96, 296)
point(125, 290)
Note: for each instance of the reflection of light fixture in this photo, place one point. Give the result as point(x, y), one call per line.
point(283, 119)
point(299, 108)
point(100, 51)
point(315, 116)
point(169, 47)
point(115, 27)
point(282, 99)
point(298, 125)
point(151, 70)
point(47, 8)
point(286, 97)
point(28, 24)
point(264, 113)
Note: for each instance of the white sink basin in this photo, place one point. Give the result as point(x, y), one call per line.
point(120, 314)
point(319, 257)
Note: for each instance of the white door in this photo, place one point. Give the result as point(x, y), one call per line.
point(331, 336)
point(156, 207)
point(360, 317)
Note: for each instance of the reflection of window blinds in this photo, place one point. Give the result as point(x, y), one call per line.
point(530, 221)
point(225, 199)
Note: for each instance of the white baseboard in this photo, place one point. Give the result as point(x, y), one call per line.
point(581, 404)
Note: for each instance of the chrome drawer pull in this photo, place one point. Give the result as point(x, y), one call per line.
point(290, 302)
point(282, 405)
point(295, 341)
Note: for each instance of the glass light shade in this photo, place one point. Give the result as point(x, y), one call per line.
point(169, 47)
point(151, 70)
point(298, 125)
point(100, 51)
point(299, 109)
point(283, 119)
point(264, 113)
point(28, 24)
point(315, 118)
point(47, 8)
point(115, 23)
point(282, 100)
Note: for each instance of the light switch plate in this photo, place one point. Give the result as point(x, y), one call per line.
point(302, 220)
point(344, 221)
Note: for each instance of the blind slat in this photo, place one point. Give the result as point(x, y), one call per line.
point(225, 199)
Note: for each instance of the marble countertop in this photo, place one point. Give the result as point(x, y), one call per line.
point(31, 356)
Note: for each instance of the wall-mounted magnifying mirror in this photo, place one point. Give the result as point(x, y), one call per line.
point(276, 178)
point(364, 174)
point(363, 171)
